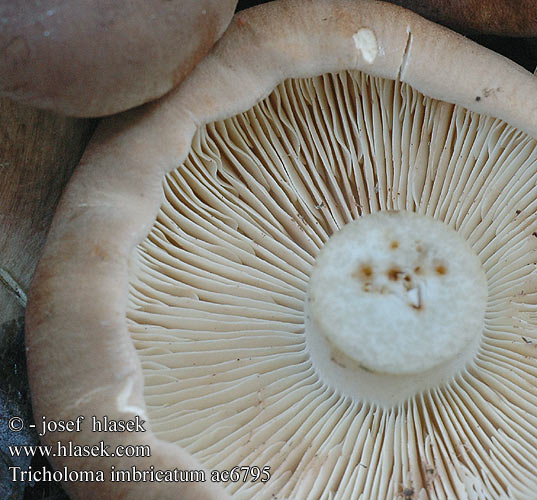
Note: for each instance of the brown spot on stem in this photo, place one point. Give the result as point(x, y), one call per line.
point(394, 273)
point(364, 272)
point(367, 270)
point(441, 270)
point(394, 245)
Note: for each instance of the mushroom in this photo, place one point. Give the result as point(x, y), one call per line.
point(221, 260)
point(94, 58)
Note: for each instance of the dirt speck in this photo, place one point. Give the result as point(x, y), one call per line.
point(408, 493)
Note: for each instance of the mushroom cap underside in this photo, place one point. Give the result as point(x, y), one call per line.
point(285, 147)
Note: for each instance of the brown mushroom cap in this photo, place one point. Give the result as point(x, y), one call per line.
point(93, 58)
point(199, 219)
